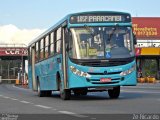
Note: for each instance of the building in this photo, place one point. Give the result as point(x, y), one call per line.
point(12, 60)
point(147, 30)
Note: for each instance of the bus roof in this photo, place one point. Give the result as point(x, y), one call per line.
point(98, 12)
point(67, 18)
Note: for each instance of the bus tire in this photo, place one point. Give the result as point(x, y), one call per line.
point(65, 94)
point(114, 93)
point(48, 93)
point(40, 92)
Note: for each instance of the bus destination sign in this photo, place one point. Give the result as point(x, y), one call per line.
point(99, 18)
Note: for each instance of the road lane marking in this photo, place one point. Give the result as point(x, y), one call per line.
point(5, 97)
point(47, 107)
point(67, 112)
point(93, 118)
point(73, 114)
point(13, 99)
point(42, 106)
point(8, 97)
point(24, 102)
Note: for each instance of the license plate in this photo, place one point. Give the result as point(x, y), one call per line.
point(105, 79)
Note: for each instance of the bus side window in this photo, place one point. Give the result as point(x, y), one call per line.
point(52, 43)
point(46, 46)
point(37, 51)
point(58, 40)
point(41, 49)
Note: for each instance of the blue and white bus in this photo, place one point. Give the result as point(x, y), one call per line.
point(84, 52)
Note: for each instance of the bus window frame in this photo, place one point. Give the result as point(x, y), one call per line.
point(58, 40)
point(37, 51)
point(46, 44)
point(42, 49)
point(52, 37)
point(49, 45)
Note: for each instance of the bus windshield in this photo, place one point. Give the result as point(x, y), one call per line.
point(101, 43)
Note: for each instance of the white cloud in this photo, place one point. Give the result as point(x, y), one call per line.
point(11, 34)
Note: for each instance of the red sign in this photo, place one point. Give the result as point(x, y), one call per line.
point(105, 79)
point(13, 52)
point(146, 28)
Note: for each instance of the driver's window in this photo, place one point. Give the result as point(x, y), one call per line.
point(127, 42)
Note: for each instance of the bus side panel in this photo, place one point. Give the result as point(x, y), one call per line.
point(42, 75)
point(55, 69)
point(47, 71)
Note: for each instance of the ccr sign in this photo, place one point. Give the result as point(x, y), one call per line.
point(13, 51)
point(16, 52)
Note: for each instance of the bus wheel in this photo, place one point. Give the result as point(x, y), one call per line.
point(114, 93)
point(48, 93)
point(65, 94)
point(40, 92)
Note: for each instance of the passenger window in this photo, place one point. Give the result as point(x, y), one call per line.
point(52, 43)
point(42, 49)
point(37, 51)
point(58, 40)
point(46, 46)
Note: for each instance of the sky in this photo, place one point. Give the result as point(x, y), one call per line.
point(22, 20)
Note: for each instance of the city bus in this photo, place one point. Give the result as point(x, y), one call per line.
point(84, 52)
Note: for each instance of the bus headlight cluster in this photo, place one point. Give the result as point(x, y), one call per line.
point(78, 72)
point(128, 71)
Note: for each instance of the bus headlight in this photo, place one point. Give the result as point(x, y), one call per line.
point(79, 73)
point(128, 71)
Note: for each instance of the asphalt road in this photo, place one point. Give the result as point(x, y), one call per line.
point(141, 99)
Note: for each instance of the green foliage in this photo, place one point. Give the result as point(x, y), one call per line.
point(150, 67)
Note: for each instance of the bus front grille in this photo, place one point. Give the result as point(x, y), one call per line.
point(109, 73)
